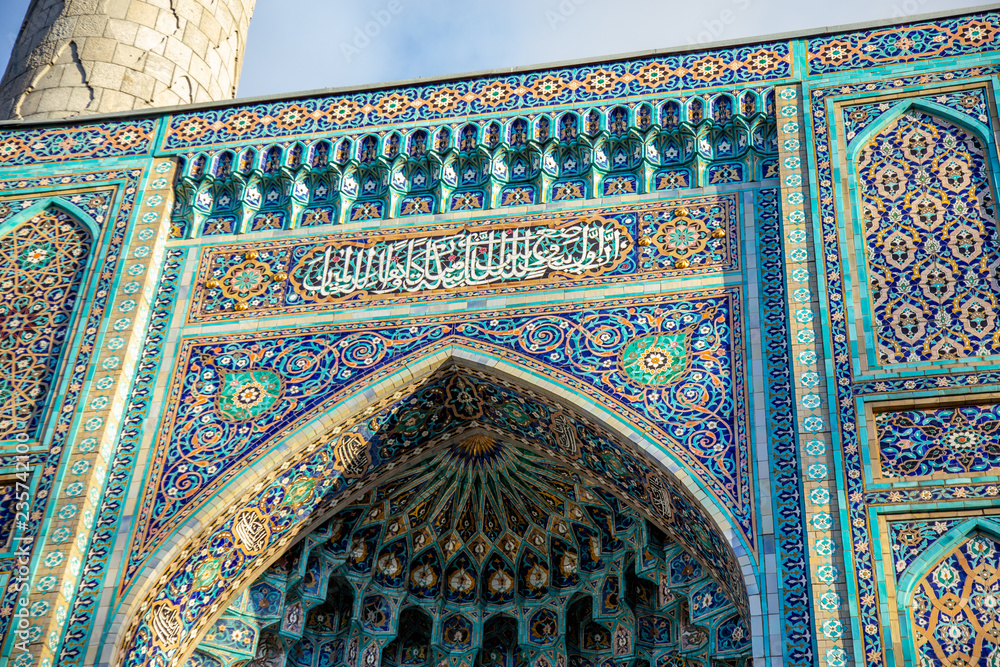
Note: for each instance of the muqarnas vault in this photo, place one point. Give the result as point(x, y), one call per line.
point(688, 359)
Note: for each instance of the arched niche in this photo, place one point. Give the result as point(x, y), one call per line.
point(949, 599)
point(924, 198)
point(45, 252)
point(167, 619)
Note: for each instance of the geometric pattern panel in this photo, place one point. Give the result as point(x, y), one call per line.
point(955, 441)
point(41, 264)
point(867, 604)
point(931, 241)
point(33, 145)
point(955, 610)
point(910, 539)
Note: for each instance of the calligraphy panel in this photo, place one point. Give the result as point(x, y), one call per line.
point(469, 259)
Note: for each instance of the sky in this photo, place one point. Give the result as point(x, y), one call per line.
point(299, 45)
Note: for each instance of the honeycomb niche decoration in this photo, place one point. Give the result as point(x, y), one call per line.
point(484, 553)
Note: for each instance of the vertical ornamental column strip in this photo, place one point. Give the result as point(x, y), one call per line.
point(808, 370)
point(74, 506)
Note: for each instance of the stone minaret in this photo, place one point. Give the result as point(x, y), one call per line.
point(76, 57)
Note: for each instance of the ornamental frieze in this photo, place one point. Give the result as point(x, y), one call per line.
point(470, 259)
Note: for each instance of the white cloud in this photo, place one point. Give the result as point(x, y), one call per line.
point(457, 36)
point(297, 45)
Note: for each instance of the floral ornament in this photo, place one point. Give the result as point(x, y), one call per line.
point(242, 122)
point(247, 394)
point(342, 112)
point(424, 576)
point(600, 81)
point(516, 196)
point(316, 216)
point(683, 237)
point(11, 148)
point(268, 220)
point(393, 105)
point(945, 576)
point(247, 279)
point(656, 360)
point(292, 116)
point(466, 201)
point(366, 211)
point(547, 87)
point(192, 128)
point(963, 439)
point(975, 33)
point(708, 68)
point(620, 185)
point(762, 62)
point(443, 100)
point(128, 137)
point(671, 180)
point(37, 256)
point(653, 74)
point(565, 191)
point(835, 52)
point(41, 265)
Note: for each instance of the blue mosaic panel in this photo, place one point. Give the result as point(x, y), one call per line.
point(575, 86)
point(972, 103)
point(79, 626)
point(930, 231)
point(955, 608)
point(686, 381)
point(866, 604)
point(977, 33)
point(95, 203)
point(41, 265)
point(47, 464)
point(785, 464)
point(956, 441)
point(109, 139)
point(909, 539)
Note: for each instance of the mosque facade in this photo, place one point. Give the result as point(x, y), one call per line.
point(682, 359)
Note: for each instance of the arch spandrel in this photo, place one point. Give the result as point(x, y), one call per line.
point(355, 455)
point(235, 397)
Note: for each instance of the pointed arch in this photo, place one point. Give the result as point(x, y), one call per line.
point(916, 207)
point(45, 258)
point(932, 571)
point(150, 607)
point(941, 547)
